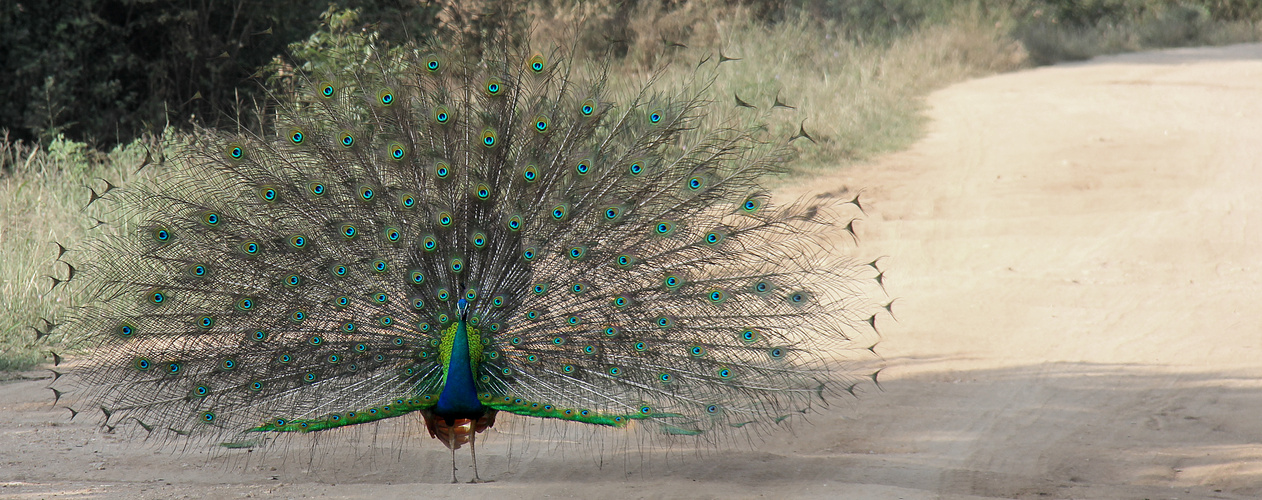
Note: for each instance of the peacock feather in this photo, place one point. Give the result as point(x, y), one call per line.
point(460, 236)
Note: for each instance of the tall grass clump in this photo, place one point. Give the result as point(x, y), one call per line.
point(43, 191)
point(857, 92)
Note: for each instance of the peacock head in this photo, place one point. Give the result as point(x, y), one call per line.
point(462, 305)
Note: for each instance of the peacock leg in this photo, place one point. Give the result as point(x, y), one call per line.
point(451, 443)
point(473, 452)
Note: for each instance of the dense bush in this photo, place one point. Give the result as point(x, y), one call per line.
point(1060, 30)
point(105, 71)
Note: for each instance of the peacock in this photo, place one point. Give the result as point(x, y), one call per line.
point(461, 231)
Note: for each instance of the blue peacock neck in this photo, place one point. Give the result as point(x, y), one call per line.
point(459, 398)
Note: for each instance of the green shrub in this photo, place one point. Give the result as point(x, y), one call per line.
point(105, 71)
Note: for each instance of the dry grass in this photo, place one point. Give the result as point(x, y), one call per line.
point(856, 98)
point(857, 95)
point(42, 192)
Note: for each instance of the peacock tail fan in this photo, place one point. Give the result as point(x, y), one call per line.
point(508, 232)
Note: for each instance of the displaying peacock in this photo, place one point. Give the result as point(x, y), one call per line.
point(461, 233)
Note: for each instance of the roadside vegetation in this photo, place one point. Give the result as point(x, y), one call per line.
point(854, 71)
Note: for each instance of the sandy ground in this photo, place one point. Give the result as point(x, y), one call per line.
point(1078, 265)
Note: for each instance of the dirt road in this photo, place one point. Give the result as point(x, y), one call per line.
point(1077, 258)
